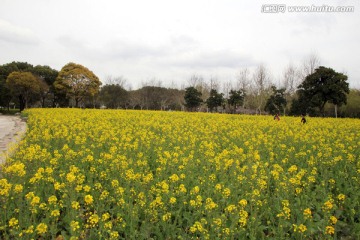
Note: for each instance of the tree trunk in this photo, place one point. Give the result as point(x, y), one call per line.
point(322, 109)
point(43, 102)
point(335, 110)
point(22, 103)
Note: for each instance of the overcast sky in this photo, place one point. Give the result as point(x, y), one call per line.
point(170, 40)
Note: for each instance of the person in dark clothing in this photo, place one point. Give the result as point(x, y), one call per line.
point(303, 119)
point(276, 117)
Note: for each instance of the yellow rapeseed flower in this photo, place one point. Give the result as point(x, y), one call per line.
point(333, 220)
point(307, 213)
point(13, 222)
point(105, 217)
point(75, 205)
point(35, 201)
point(41, 228)
point(341, 197)
point(52, 199)
point(243, 202)
point(93, 220)
point(330, 230)
point(172, 200)
point(328, 205)
point(301, 228)
point(18, 188)
point(74, 225)
point(55, 213)
point(88, 199)
point(166, 217)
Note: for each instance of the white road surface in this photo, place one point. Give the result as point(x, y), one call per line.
point(12, 129)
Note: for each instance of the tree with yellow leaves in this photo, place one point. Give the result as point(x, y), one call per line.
point(77, 82)
point(23, 85)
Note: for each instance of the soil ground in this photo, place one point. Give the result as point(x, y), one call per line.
point(12, 128)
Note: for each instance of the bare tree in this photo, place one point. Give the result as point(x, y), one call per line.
point(121, 81)
point(195, 80)
point(309, 65)
point(198, 82)
point(291, 79)
point(243, 82)
point(227, 86)
point(261, 80)
point(290, 82)
point(173, 85)
point(213, 83)
point(153, 82)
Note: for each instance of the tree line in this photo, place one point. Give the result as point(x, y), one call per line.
point(313, 90)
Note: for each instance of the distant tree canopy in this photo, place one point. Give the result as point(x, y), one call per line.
point(23, 85)
point(321, 87)
point(5, 70)
point(45, 75)
point(113, 96)
point(321, 91)
point(77, 82)
point(277, 102)
point(352, 107)
point(157, 98)
point(192, 98)
point(215, 100)
point(236, 98)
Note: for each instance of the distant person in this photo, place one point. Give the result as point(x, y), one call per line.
point(276, 117)
point(303, 119)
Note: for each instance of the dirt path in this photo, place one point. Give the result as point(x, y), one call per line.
point(12, 129)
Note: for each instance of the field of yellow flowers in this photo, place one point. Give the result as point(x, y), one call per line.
point(112, 174)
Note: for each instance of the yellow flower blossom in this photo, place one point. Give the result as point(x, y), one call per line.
point(341, 197)
point(18, 188)
point(74, 225)
point(226, 192)
point(166, 217)
point(301, 228)
point(172, 200)
point(210, 204)
point(35, 201)
point(105, 217)
point(70, 177)
point(230, 209)
point(52, 199)
point(195, 190)
point(307, 213)
point(330, 230)
point(41, 228)
point(55, 213)
point(88, 199)
point(75, 205)
point(13, 222)
point(328, 205)
point(114, 235)
point(243, 202)
point(93, 220)
point(333, 220)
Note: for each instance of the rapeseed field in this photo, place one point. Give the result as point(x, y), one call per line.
point(116, 174)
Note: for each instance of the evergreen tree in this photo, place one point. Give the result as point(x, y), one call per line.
point(192, 98)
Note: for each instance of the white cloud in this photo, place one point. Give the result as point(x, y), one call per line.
point(212, 59)
point(143, 39)
point(15, 34)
